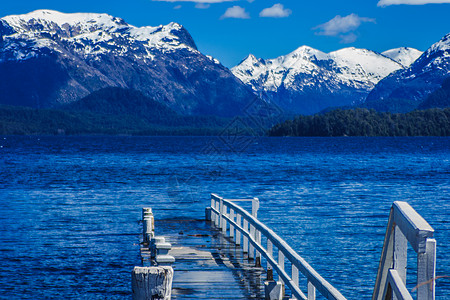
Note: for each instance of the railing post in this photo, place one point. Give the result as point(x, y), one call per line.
point(311, 291)
point(217, 207)
point(255, 207)
point(400, 255)
point(257, 254)
point(245, 242)
point(385, 260)
point(238, 233)
point(269, 253)
point(213, 205)
point(224, 221)
point(220, 212)
point(294, 276)
point(426, 271)
point(251, 249)
point(231, 225)
point(281, 265)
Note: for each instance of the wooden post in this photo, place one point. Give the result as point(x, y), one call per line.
point(272, 289)
point(385, 260)
point(150, 283)
point(238, 233)
point(217, 217)
point(231, 225)
point(311, 291)
point(281, 265)
point(208, 214)
point(257, 254)
point(294, 276)
point(426, 271)
point(148, 224)
point(245, 246)
point(400, 255)
point(269, 253)
point(251, 249)
point(213, 205)
point(220, 212)
point(224, 221)
point(253, 234)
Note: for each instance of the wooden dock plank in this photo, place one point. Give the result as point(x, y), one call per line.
point(207, 266)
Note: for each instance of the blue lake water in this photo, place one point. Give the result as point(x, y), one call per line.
point(70, 206)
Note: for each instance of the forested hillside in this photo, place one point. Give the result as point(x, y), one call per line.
point(364, 122)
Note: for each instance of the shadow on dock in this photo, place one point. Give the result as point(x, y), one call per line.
point(207, 265)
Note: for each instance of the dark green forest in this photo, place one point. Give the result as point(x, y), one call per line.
point(116, 111)
point(107, 111)
point(364, 122)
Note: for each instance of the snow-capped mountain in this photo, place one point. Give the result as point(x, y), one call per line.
point(406, 88)
point(308, 80)
point(48, 58)
point(404, 55)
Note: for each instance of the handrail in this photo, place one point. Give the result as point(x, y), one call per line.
point(219, 207)
point(406, 225)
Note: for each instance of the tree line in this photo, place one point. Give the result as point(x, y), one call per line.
point(365, 122)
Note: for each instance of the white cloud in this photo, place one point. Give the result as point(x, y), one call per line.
point(276, 11)
point(197, 1)
point(177, 7)
point(343, 27)
point(410, 2)
point(202, 5)
point(235, 12)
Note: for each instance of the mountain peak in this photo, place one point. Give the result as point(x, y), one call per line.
point(442, 45)
point(308, 80)
point(88, 34)
point(49, 58)
point(47, 19)
point(411, 85)
point(403, 55)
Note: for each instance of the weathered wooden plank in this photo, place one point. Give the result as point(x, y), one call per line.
point(413, 225)
point(207, 265)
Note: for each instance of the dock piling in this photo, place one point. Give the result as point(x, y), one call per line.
point(150, 283)
point(154, 279)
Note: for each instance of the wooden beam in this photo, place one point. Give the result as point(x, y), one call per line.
point(413, 225)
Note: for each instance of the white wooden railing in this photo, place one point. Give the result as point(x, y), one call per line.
point(235, 221)
point(406, 225)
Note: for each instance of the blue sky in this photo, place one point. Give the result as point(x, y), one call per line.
point(230, 30)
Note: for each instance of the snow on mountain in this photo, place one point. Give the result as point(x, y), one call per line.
point(89, 34)
point(338, 78)
point(404, 55)
point(49, 58)
point(412, 85)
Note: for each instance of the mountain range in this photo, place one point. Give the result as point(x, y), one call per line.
point(50, 59)
point(307, 80)
point(411, 86)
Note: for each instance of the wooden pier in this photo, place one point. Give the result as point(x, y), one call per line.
point(234, 256)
